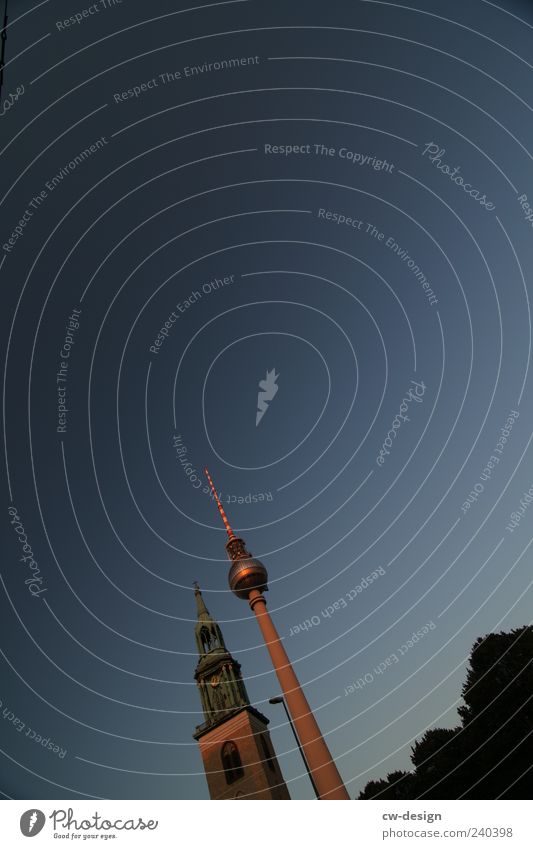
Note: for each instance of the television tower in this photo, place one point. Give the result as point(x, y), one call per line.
point(248, 580)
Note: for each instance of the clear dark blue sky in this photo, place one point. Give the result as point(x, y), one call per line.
point(376, 254)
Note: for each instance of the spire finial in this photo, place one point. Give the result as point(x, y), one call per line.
point(229, 529)
point(202, 610)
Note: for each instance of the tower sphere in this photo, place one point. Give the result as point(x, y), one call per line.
point(247, 574)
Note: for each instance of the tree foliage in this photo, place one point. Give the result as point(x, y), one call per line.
point(490, 754)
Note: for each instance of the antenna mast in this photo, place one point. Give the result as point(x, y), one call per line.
point(229, 529)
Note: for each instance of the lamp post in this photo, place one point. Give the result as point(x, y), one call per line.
point(277, 700)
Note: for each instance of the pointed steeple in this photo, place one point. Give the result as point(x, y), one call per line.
point(218, 675)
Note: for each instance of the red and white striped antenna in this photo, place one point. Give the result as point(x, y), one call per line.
point(3, 38)
point(229, 529)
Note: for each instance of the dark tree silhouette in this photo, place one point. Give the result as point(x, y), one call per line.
point(398, 785)
point(490, 755)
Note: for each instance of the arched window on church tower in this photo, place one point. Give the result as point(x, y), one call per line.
point(231, 762)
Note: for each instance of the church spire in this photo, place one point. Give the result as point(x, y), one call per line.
point(218, 675)
point(229, 529)
point(201, 609)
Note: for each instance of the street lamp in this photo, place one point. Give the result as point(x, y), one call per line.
point(279, 700)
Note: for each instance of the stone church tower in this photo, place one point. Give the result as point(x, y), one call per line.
point(238, 756)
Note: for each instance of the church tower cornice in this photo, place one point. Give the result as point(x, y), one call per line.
point(234, 741)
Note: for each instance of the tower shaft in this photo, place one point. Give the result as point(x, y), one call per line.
point(321, 765)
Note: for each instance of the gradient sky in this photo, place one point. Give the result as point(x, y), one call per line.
point(182, 193)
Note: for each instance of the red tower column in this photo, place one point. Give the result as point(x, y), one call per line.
point(325, 774)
